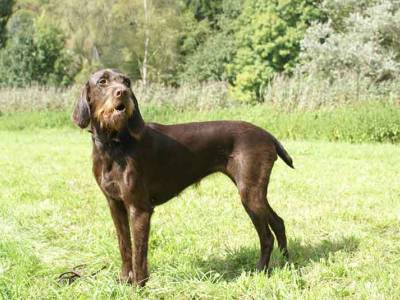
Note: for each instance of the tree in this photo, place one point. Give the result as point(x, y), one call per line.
point(16, 61)
point(149, 42)
point(34, 53)
point(205, 9)
point(208, 46)
point(139, 37)
point(268, 35)
point(5, 13)
point(53, 64)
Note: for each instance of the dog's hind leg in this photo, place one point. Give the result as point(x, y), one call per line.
point(278, 227)
point(251, 172)
point(253, 200)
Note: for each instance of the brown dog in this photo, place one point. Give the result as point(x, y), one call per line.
point(140, 165)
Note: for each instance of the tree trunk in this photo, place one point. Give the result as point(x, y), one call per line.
point(146, 44)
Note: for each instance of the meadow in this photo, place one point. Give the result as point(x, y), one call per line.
point(322, 76)
point(341, 208)
point(293, 108)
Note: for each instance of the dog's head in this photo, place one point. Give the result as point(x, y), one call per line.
point(106, 100)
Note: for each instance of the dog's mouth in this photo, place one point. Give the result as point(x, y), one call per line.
point(120, 108)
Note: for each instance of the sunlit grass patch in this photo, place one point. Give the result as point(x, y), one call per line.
point(340, 205)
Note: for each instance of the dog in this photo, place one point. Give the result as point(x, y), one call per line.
point(140, 165)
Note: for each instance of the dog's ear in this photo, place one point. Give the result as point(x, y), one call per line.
point(81, 114)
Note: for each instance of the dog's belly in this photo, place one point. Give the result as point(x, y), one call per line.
point(161, 196)
point(164, 189)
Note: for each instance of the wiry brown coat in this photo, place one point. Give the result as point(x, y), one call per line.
point(140, 165)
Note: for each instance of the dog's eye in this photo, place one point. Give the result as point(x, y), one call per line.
point(102, 81)
point(127, 82)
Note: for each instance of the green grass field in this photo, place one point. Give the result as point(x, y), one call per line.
point(341, 207)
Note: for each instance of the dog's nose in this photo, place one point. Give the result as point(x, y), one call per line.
point(120, 92)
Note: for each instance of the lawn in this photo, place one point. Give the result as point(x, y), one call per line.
point(341, 206)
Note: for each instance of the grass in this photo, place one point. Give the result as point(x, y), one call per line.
point(341, 207)
point(367, 122)
point(294, 108)
point(299, 92)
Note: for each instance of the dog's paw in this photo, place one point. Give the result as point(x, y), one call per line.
point(125, 277)
point(141, 282)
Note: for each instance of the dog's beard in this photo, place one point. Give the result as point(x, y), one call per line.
point(112, 120)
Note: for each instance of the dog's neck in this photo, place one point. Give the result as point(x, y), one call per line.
point(136, 124)
point(104, 139)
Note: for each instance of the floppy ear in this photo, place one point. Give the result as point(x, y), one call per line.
point(81, 114)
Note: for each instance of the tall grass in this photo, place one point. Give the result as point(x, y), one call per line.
point(289, 94)
point(292, 108)
point(38, 98)
point(311, 93)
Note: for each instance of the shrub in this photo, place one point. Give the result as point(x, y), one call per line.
point(363, 39)
point(34, 53)
point(268, 35)
point(248, 43)
point(53, 63)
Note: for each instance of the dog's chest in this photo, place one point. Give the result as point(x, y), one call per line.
point(114, 180)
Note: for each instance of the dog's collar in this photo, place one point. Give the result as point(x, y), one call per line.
point(100, 140)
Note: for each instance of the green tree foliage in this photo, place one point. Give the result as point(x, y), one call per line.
point(248, 43)
point(267, 35)
point(109, 33)
point(147, 37)
point(53, 62)
point(210, 46)
point(5, 13)
point(205, 9)
point(16, 59)
point(34, 53)
point(209, 60)
point(243, 42)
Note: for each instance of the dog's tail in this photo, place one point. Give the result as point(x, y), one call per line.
point(283, 153)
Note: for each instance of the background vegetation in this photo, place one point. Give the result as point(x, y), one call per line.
point(325, 71)
point(243, 43)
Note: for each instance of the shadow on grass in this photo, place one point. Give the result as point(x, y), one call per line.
point(244, 259)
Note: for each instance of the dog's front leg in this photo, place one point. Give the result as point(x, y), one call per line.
point(140, 229)
point(120, 218)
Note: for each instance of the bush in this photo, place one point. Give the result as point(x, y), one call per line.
point(268, 35)
point(363, 39)
point(53, 63)
point(34, 53)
